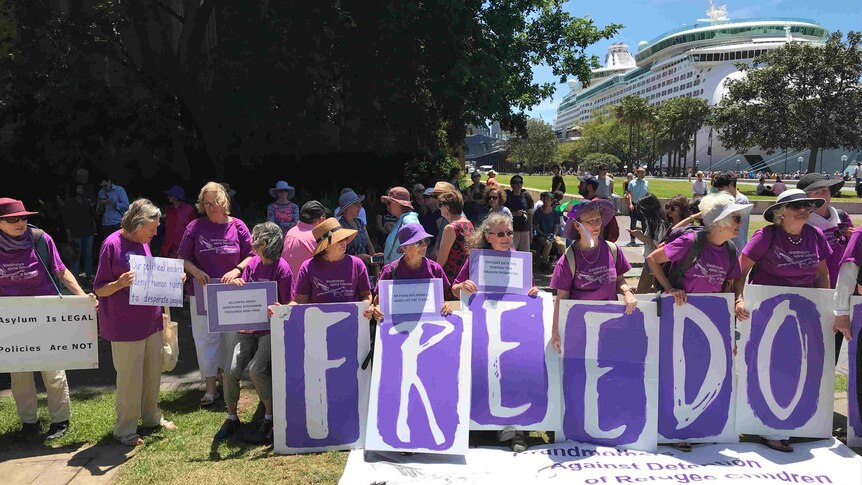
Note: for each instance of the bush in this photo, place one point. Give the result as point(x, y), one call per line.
point(592, 161)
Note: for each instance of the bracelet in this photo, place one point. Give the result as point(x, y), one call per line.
point(239, 268)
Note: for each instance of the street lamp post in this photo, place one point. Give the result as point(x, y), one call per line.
point(843, 162)
point(737, 167)
point(800, 165)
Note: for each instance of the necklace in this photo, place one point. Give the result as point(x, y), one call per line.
point(796, 242)
point(585, 256)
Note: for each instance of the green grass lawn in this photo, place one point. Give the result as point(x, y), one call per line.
point(663, 189)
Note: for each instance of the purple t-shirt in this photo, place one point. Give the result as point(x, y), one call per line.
point(853, 253)
point(428, 269)
point(712, 268)
point(22, 274)
point(279, 272)
point(596, 279)
point(119, 321)
point(838, 248)
point(782, 263)
point(333, 282)
point(214, 248)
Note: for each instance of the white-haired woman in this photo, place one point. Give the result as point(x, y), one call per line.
point(135, 331)
point(216, 246)
point(703, 261)
point(24, 272)
point(252, 348)
point(789, 252)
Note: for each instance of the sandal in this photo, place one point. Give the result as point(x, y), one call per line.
point(777, 445)
point(130, 440)
point(208, 399)
point(682, 446)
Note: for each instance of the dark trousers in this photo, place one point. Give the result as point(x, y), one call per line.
point(634, 216)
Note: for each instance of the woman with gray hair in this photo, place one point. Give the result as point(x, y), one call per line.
point(135, 331)
point(252, 348)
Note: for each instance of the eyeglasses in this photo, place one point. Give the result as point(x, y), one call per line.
point(493, 197)
point(421, 243)
point(503, 234)
point(593, 222)
point(800, 204)
point(14, 219)
point(736, 218)
point(210, 204)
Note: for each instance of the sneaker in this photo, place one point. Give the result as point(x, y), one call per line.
point(29, 430)
point(263, 435)
point(57, 430)
point(519, 442)
point(229, 429)
point(506, 434)
point(632, 244)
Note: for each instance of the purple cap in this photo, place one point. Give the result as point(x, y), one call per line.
point(176, 191)
point(411, 233)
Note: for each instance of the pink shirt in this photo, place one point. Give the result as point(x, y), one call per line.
point(596, 278)
point(176, 220)
point(119, 321)
point(214, 248)
point(782, 263)
point(333, 282)
point(712, 268)
point(22, 274)
point(299, 245)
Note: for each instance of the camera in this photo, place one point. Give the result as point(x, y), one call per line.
point(376, 259)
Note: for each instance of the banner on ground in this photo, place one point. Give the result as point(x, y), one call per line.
point(823, 461)
point(609, 373)
point(158, 281)
point(48, 332)
point(696, 394)
point(420, 385)
point(318, 380)
point(231, 308)
point(786, 362)
point(516, 372)
point(854, 421)
point(501, 271)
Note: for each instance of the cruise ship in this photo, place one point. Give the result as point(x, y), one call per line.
point(694, 61)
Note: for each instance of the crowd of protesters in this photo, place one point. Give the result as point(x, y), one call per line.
point(320, 254)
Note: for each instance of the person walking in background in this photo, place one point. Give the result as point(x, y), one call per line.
point(23, 272)
point(520, 203)
point(637, 190)
point(283, 212)
point(135, 331)
point(299, 242)
point(111, 203)
point(557, 182)
point(178, 215)
point(79, 219)
point(605, 186)
point(214, 248)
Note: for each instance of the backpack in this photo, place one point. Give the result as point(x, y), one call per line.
point(675, 273)
point(43, 254)
point(570, 256)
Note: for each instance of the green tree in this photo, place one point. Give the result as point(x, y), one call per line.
point(592, 161)
point(537, 149)
point(678, 120)
point(604, 134)
point(633, 111)
point(567, 152)
point(800, 96)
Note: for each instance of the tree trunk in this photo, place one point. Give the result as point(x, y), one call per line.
point(812, 159)
point(694, 159)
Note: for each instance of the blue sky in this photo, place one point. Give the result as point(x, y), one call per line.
point(646, 19)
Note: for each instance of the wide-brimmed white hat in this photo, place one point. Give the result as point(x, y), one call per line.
point(720, 211)
point(788, 196)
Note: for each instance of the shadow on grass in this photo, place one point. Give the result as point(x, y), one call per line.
point(187, 401)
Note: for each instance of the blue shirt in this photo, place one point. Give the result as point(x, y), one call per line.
point(390, 250)
point(638, 188)
point(113, 213)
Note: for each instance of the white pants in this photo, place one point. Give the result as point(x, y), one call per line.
point(208, 346)
point(24, 392)
point(139, 373)
point(521, 240)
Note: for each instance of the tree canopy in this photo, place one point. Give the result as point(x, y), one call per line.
point(801, 96)
point(202, 88)
point(536, 150)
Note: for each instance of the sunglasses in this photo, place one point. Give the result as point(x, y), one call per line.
point(421, 243)
point(736, 218)
point(503, 234)
point(14, 219)
point(800, 204)
point(493, 197)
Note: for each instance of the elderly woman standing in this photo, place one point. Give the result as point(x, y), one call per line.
point(349, 205)
point(787, 253)
point(214, 246)
point(453, 250)
point(252, 348)
point(135, 331)
point(24, 272)
point(283, 212)
point(397, 201)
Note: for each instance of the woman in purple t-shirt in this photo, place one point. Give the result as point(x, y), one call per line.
point(252, 348)
point(23, 273)
point(218, 247)
point(332, 275)
point(135, 331)
point(413, 265)
point(714, 269)
point(787, 253)
point(600, 275)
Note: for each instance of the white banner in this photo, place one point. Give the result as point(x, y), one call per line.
point(48, 333)
point(786, 362)
point(158, 281)
point(824, 461)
